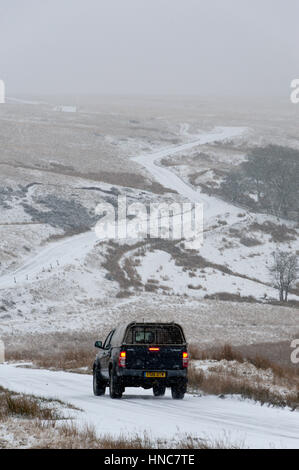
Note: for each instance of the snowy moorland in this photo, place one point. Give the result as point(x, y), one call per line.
point(57, 277)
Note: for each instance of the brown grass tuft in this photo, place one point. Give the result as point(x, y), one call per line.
point(25, 406)
point(226, 352)
point(216, 384)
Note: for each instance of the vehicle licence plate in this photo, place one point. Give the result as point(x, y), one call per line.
point(155, 374)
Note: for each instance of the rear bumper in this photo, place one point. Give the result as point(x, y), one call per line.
point(135, 377)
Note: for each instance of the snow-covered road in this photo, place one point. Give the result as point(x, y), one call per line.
point(240, 422)
point(64, 252)
point(77, 246)
point(167, 178)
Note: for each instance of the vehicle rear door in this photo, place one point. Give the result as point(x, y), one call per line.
point(168, 352)
point(136, 355)
point(164, 358)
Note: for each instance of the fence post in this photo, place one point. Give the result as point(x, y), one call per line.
point(2, 352)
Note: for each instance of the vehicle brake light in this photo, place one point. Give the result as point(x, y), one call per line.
point(185, 359)
point(154, 349)
point(122, 359)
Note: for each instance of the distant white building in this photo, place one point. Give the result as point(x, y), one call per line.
point(66, 109)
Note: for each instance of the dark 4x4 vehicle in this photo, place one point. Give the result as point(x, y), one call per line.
point(148, 355)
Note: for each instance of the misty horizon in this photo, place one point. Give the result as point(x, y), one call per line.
point(170, 47)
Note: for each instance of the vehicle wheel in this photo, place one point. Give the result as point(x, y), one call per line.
point(99, 387)
point(159, 390)
point(178, 391)
point(115, 389)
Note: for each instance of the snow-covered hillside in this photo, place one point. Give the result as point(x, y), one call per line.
point(51, 276)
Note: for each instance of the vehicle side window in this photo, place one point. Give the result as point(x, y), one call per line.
point(115, 338)
point(129, 336)
point(108, 340)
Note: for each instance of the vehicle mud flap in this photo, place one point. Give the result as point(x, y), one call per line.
point(178, 390)
point(159, 389)
point(116, 389)
point(99, 386)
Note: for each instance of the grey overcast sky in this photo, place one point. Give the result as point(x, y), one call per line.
point(204, 47)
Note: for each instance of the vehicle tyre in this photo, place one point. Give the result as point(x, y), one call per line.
point(115, 388)
point(178, 391)
point(99, 387)
point(159, 390)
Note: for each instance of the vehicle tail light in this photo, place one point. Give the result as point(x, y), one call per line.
point(122, 359)
point(185, 359)
point(154, 349)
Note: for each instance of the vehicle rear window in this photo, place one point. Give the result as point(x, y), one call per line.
point(154, 335)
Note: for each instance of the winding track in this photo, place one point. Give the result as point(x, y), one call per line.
point(240, 422)
point(67, 249)
point(164, 176)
